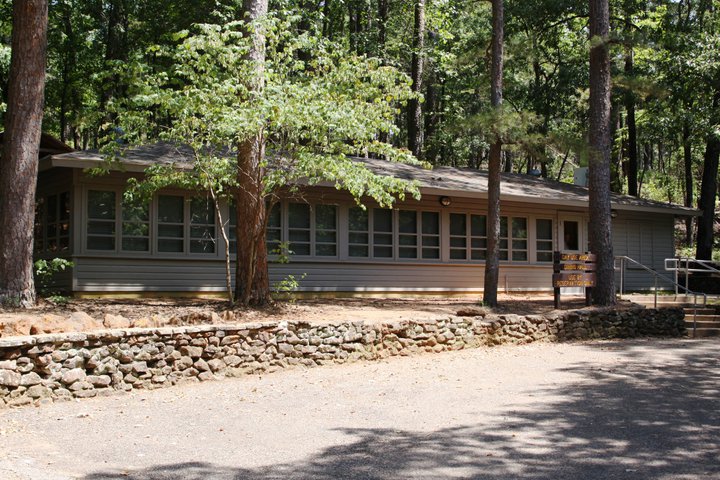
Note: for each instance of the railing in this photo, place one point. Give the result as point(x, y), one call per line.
point(676, 265)
point(624, 259)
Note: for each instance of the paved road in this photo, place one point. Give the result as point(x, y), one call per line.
point(610, 410)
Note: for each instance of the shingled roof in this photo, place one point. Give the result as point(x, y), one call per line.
point(464, 182)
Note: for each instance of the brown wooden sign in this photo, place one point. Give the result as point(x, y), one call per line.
point(573, 269)
point(566, 279)
point(576, 267)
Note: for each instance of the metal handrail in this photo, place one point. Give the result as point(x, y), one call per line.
point(656, 275)
point(673, 264)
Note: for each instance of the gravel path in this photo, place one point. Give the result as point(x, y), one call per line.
point(631, 409)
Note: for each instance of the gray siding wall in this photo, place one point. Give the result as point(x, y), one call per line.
point(647, 238)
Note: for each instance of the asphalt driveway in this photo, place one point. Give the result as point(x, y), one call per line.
point(626, 409)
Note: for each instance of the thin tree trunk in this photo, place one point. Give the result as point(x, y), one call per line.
point(252, 283)
point(689, 193)
point(492, 263)
point(708, 189)
point(21, 144)
point(632, 172)
point(599, 165)
point(414, 109)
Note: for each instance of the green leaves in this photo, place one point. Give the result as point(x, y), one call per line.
point(316, 105)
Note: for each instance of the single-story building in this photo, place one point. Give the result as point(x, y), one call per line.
point(435, 245)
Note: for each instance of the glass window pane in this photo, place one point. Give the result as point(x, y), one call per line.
point(170, 209)
point(173, 246)
point(458, 242)
point(358, 219)
point(325, 250)
point(135, 229)
point(300, 248)
point(202, 246)
point(431, 241)
point(519, 256)
point(382, 220)
point(456, 254)
point(382, 239)
point(202, 211)
point(100, 243)
point(432, 253)
point(136, 244)
point(202, 232)
point(96, 228)
point(382, 252)
point(545, 257)
point(325, 217)
point(52, 207)
point(519, 227)
point(101, 205)
point(457, 224)
point(407, 240)
point(430, 223)
point(544, 229)
point(479, 255)
point(299, 235)
point(478, 225)
point(175, 231)
point(275, 217)
point(358, 251)
point(408, 221)
point(325, 237)
point(503, 227)
point(405, 252)
point(358, 238)
point(64, 206)
point(299, 215)
point(519, 244)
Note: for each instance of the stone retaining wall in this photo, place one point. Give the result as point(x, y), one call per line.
point(42, 368)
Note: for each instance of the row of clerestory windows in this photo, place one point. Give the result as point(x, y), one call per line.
point(184, 224)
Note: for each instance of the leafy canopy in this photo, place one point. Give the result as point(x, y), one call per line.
point(312, 103)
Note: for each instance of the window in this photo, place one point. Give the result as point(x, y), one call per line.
point(519, 239)
point(100, 220)
point(459, 239)
point(326, 230)
point(202, 225)
point(299, 228)
point(431, 235)
point(232, 223)
point(408, 234)
point(382, 233)
point(135, 227)
point(274, 229)
point(358, 232)
point(52, 223)
point(544, 240)
point(171, 224)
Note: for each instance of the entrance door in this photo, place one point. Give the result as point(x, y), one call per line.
point(573, 235)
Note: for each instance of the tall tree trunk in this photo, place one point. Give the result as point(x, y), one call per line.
point(599, 165)
point(632, 151)
point(492, 263)
point(687, 158)
point(414, 109)
point(21, 144)
point(252, 283)
point(708, 189)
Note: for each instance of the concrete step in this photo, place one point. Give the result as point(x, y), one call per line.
point(702, 324)
point(704, 332)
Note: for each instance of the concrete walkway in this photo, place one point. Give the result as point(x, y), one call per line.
point(628, 409)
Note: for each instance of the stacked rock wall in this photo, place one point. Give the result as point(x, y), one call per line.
point(42, 368)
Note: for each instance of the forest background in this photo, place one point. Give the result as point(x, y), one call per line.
point(665, 70)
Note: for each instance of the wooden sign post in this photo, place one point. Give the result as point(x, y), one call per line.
point(573, 270)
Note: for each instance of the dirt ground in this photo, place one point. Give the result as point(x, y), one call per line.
point(631, 409)
point(166, 311)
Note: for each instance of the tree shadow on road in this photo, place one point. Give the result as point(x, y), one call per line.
point(640, 419)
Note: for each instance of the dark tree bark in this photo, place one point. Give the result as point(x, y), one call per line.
point(492, 263)
point(414, 109)
point(252, 283)
point(19, 161)
point(689, 191)
point(599, 165)
point(632, 148)
point(708, 189)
